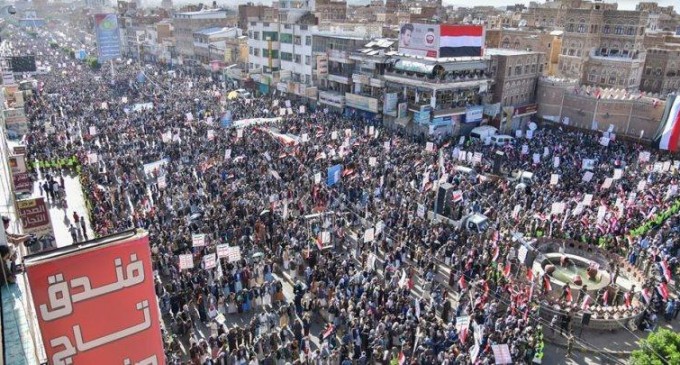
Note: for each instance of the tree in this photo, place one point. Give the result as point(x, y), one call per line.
point(660, 344)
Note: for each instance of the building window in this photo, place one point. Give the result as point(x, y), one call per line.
point(273, 36)
point(308, 80)
point(298, 58)
point(308, 60)
point(510, 71)
point(256, 35)
point(256, 52)
point(297, 40)
point(581, 28)
point(618, 30)
point(286, 38)
point(308, 40)
point(518, 70)
point(631, 31)
point(506, 43)
point(570, 27)
point(250, 51)
point(285, 56)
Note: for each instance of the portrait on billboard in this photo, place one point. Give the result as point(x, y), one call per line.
point(419, 39)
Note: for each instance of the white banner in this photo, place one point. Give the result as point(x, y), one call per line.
point(209, 261)
point(186, 261)
point(198, 240)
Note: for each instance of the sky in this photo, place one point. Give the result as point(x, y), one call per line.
point(623, 4)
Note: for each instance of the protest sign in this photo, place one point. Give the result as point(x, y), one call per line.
point(186, 261)
point(554, 178)
point(587, 176)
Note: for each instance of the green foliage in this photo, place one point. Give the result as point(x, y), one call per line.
point(657, 220)
point(93, 63)
point(663, 343)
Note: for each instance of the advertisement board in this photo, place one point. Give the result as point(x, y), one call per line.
point(322, 65)
point(108, 36)
point(402, 110)
point(35, 220)
point(474, 114)
point(361, 102)
point(419, 40)
point(390, 104)
point(15, 121)
point(446, 40)
point(97, 302)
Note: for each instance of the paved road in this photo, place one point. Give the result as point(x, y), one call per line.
point(557, 356)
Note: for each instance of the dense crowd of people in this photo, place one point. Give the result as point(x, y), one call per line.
point(389, 285)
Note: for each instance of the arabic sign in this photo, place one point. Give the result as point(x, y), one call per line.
point(198, 240)
point(35, 220)
point(108, 36)
point(113, 278)
point(22, 182)
point(15, 120)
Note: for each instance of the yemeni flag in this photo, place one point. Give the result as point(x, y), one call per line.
point(546, 283)
point(329, 330)
point(647, 295)
point(462, 283)
point(626, 299)
point(530, 275)
point(461, 41)
point(586, 302)
point(668, 135)
point(569, 297)
point(506, 269)
point(665, 270)
point(663, 290)
point(402, 358)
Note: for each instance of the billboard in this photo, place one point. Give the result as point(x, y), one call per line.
point(97, 302)
point(15, 121)
point(20, 178)
point(390, 104)
point(361, 102)
point(474, 114)
point(108, 36)
point(419, 40)
point(35, 220)
point(446, 40)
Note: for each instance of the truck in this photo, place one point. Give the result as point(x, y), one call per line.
point(473, 223)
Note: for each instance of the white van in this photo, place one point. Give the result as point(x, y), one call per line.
point(501, 139)
point(483, 132)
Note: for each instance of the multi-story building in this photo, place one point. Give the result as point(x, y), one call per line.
point(525, 39)
point(439, 95)
point(603, 47)
point(662, 71)
point(552, 14)
point(187, 23)
point(331, 11)
point(367, 95)
point(333, 52)
point(515, 76)
point(250, 11)
point(210, 44)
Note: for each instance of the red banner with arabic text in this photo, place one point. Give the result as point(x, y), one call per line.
point(97, 305)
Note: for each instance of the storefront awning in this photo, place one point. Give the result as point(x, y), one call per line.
point(412, 66)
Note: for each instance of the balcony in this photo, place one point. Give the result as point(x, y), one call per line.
point(437, 83)
point(339, 56)
point(342, 78)
point(609, 55)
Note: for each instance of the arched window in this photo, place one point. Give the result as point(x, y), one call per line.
point(581, 26)
point(506, 43)
point(618, 29)
point(606, 29)
point(570, 25)
point(517, 44)
point(631, 31)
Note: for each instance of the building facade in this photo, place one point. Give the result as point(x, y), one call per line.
point(604, 47)
point(187, 23)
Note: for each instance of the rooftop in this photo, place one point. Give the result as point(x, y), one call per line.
point(214, 30)
point(506, 52)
